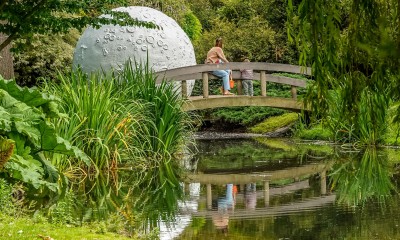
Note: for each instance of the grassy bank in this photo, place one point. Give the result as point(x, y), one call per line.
point(28, 228)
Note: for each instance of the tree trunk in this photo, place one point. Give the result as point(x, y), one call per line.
point(6, 60)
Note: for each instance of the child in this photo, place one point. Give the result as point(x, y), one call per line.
point(247, 76)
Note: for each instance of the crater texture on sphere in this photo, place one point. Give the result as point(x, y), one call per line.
point(110, 46)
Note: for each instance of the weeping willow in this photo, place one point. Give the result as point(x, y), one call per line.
point(353, 47)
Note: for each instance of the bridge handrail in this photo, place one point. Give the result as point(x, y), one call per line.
point(256, 66)
point(203, 71)
point(237, 76)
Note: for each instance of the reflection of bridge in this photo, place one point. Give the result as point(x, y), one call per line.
point(202, 71)
point(264, 177)
point(311, 203)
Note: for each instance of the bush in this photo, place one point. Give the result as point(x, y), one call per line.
point(44, 57)
point(316, 132)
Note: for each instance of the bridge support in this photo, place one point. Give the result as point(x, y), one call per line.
point(266, 193)
point(209, 196)
point(184, 89)
point(239, 86)
point(263, 78)
point(294, 92)
point(205, 84)
point(323, 182)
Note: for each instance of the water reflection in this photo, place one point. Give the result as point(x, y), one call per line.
point(367, 175)
point(254, 190)
point(250, 196)
point(225, 205)
point(287, 196)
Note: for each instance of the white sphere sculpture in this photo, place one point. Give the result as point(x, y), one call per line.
point(111, 46)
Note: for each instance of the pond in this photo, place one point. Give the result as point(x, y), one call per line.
point(276, 189)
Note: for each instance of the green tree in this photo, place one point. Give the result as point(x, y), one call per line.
point(254, 39)
point(192, 26)
point(354, 58)
point(22, 19)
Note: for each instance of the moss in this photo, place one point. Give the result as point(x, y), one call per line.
point(316, 132)
point(276, 144)
point(274, 123)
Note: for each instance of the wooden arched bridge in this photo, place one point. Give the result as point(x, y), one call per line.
point(262, 72)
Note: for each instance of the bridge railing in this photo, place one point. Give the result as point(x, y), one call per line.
point(262, 71)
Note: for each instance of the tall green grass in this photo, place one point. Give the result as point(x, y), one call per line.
point(167, 127)
point(100, 121)
point(166, 132)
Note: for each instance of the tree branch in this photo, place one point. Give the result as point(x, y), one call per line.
point(7, 41)
point(16, 28)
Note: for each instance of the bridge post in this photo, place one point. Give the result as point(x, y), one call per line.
point(266, 193)
point(209, 197)
point(263, 78)
point(239, 87)
point(184, 89)
point(294, 92)
point(323, 182)
point(205, 84)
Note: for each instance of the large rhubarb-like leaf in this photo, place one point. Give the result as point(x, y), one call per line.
point(33, 97)
point(24, 114)
point(53, 143)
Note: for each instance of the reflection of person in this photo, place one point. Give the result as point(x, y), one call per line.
point(225, 204)
point(216, 55)
point(228, 203)
point(250, 196)
point(247, 76)
point(221, 221)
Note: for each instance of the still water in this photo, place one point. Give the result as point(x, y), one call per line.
point(277, 189)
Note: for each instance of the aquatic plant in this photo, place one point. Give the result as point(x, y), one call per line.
point(166, 127)
point(101, 120)
point(165, 133)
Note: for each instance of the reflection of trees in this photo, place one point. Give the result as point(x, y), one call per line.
point(157, 192)
point(362, 177)
point(259, 154)
point(138, 198)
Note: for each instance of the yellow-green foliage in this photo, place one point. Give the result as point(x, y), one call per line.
point(274, 123)
point(393, 156)
point(316, 132)
point(6, 150)
point(44, 56)
point(192, 26)
point(392, 136)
